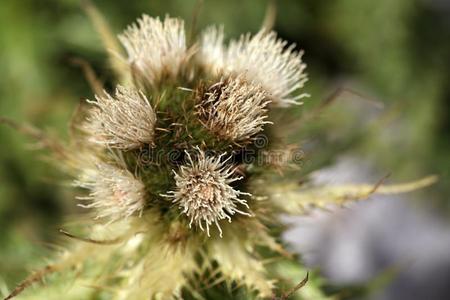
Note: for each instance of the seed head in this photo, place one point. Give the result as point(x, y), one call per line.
point(155, 48)
point(203, 191)
point(234, 109)
point(125, 121)
point(263, 59)
point(115, 193)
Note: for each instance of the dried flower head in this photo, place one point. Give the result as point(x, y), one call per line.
point(115, 193)
point(263, 58)
point(203, 190)
point(125, 121)
point(234, 109)
point(155, 48)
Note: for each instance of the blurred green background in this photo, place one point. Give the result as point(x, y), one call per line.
point(393, 51)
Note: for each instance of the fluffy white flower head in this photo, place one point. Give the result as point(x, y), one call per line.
point(262, 58)
point(155, 48)
point(234, 109)
point(115, 193)
point(212, 50)
point(125, 121)
point(203, 191)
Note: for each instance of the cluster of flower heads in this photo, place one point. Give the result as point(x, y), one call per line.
point(207, 103)
point(226, 93)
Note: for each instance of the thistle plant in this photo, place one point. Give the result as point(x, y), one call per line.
point(174, 170)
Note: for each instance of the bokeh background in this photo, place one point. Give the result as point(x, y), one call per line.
point(383, 67)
